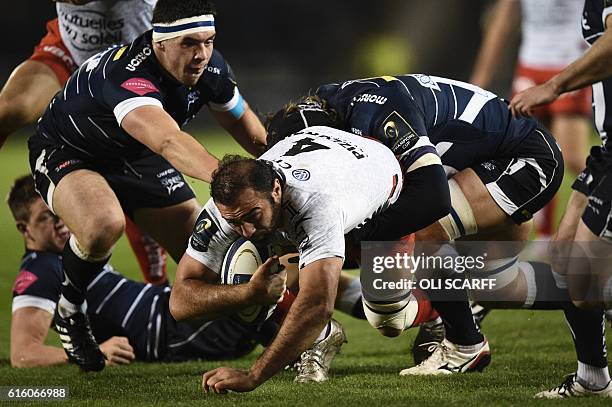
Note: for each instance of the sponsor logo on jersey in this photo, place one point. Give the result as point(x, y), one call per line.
point(139, 86)
point(367, 98)
point(203, 232)
point(398, 134)
point(213, 69)
point(138, 59)
point(119, 53)
point(192, 97)
point(24, 280)
point(301, 174)
point(489, 166)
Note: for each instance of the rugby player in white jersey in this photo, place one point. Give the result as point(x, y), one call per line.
point(310, 188)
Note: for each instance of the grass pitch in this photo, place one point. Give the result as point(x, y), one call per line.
point(532, 350)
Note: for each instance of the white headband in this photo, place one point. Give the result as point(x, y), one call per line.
point(166, 31)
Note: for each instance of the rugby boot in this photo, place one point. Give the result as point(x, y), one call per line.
point(447, 359)
point(571, 387)
point(78, 341)
point(313, 365)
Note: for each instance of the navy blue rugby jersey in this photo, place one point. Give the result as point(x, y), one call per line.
point(436, 109)
point(116, 306)
point(593, 26)
point(86, 115)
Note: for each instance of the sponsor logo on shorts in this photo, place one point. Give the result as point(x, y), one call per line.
point(139, 86)
point(61, 54)
point(301, 174)
point(138, 59)
point(169, 181)
point(67, 164)
point(489, 166)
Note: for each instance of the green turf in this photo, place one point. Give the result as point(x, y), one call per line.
point(531, 351)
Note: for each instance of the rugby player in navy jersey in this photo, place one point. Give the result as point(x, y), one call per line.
point(589, 210)
point(111, 141)
point(500, 171)
point(130, 320)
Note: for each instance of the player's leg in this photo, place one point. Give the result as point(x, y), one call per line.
point(150, 255)
point(83, 199)
point(171, 226)
point(32, 84)
point(88, 206)
point(572, 133)
point(25, 96)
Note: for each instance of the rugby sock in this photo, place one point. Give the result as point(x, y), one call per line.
point(588, 332)
point(546, 290)
point(592, 377)
point(150, 255)
point(324, 333)
point(607, 295)
point(78, 273)
point(357, 310)
point(350, 298)
point(458, 320)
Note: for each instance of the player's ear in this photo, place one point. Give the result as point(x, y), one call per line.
point(277, 190)
point(21, 226)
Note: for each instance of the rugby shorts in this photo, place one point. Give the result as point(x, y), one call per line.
point(595, 181)
point(576, 102)
point(145, 182)
point(52, 52)
point(525, 181)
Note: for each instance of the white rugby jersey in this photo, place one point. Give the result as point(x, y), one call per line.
point(552, 36)
point(95, 26)
point(333, 182)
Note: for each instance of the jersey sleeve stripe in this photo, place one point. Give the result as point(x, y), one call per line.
point(125, 107)
point(604, 15)
point(235, 105)
point(23, 301)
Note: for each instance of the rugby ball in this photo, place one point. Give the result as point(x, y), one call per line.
point(240, 263)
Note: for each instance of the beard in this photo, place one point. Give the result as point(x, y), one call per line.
point(264, 233)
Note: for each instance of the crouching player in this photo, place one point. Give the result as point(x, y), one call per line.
point(130, 320)
point(500, 171)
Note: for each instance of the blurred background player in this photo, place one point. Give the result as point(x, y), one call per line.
point(82, 29)
point(585, 228)
point(550, 40)
point(130, 320)
point(111, 141)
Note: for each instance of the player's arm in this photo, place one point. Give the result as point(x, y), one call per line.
point(505, 17)
point(311, 310)
point(155, 128)
point(247, 129)
point(592, 67)
point(198, 295)
point(29, 329)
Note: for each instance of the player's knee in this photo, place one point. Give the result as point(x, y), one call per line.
point(102, 232)
point(390, 319)
point(15, 113)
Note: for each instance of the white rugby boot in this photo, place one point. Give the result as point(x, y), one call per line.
point(447, 359)
point(572, 388)
point(313, 365)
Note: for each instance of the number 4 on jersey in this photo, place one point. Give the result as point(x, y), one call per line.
point(305, 145)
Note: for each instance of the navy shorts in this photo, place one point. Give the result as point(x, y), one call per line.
point(144, 182)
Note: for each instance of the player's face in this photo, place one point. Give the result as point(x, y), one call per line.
point(44, 231)
point(186, 57)
point(255, 215)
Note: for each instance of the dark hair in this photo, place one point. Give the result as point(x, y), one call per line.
point(168, 11)
point(21, 196)
point(309, 110)
point(237, 173)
